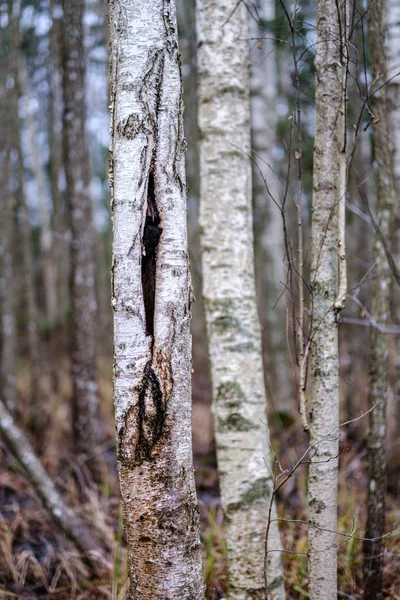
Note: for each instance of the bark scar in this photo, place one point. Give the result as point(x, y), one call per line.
point(151, 237)
point(143, 422)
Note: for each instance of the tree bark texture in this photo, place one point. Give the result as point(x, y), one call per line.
point(393, 57)
point(329, 180)
point(151, 296)
point(82, 283)
point(239, 399)
point(268, 226)
point(382, 143)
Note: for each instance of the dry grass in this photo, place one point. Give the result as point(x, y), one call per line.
point(37, 561)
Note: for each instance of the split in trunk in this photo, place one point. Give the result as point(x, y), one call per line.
point(151, 295)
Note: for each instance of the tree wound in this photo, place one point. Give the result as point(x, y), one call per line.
point(151, 237)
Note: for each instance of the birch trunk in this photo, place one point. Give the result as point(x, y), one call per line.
point(239, 400)
point(270, 267)
point(151, 302)
point(382, 142)
point(393, 56)
point(86, 424)
point(329, 181)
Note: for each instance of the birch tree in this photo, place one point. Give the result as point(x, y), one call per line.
point(393, 57)
point(82, 283)
point(151, 296)
point(382, 142)
point(270, 267)
point(239, 400)
point(328, 287)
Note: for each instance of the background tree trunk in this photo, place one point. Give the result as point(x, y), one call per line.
point(60, 241)
point(268, 226)
point(230, 299)
point(329, 180)
point(393, 57)
point(43, 197)
point(151, 302)
point(7, 237)
point(382, 142)
point(36, 412)
point(86, 422)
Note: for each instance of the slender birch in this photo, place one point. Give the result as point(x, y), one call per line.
point(382, 142)
point(151, 296)
point(393, 56)
point(86, 422)
point(239, 399)
point(328, 288)
point(270, 267)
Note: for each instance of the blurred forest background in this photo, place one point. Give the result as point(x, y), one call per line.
point(36, 560)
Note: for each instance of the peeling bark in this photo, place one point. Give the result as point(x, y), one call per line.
point(151, 302)
point(239, 399)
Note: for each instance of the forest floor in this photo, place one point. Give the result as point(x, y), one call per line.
point(38, 562)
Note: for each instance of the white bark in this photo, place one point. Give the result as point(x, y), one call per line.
point(152, 369)
point(268, 222)
point(230, 298)
point(393, 60)
point(329, 181)
point(393, 74)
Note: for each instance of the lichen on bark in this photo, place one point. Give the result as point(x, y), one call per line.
point(234, 335)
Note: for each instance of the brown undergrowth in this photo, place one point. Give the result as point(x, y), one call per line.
point(38, 562)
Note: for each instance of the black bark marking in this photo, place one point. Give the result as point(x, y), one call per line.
point(151, 237)
point(151, 415)
point(143, 422)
